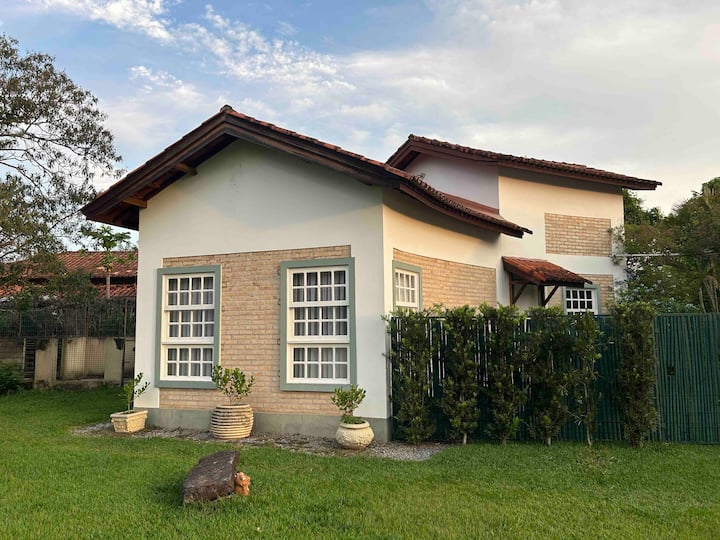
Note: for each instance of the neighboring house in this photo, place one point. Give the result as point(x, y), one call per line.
point(277, 253)
point(123, 277)
point(80, 344)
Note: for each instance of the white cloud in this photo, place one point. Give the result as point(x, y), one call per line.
point(237, 50)
point(168, 86)
point(144, 16)
point(286, 29)
point(628, 86)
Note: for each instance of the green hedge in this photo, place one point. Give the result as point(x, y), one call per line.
point(501, 373)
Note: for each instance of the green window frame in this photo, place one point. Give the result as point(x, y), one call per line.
point(579, 303)
point(400, 273)
point(317, 324)
point(187, 333)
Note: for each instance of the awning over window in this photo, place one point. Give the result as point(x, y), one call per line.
point(539, 272)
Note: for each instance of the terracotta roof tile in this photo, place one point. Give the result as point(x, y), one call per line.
point(119, 290)
point(542, 272)
point(111, 206)
point(332, 147)
point(91, 263)
point(559, 167)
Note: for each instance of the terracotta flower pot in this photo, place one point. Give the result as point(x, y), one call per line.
point(354, 436)
point(129, 422)
point(231, 421)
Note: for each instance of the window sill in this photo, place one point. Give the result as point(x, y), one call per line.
point(185, 384)
point(310, 387)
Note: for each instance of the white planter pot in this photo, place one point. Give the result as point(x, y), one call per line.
point(354, 436)
point(129, 422)
point(231, 421)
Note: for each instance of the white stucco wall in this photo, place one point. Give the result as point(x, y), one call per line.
point(465, 178)
point(411, 227)
point(525, 198)
point(248, 198)
point(522, 198)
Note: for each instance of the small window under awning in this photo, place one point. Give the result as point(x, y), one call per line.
point(539, 272)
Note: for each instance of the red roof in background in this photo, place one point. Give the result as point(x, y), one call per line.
point(91, 263)
point(404, 155)
point(542, 272)
point(123, 278)
point(119, 290)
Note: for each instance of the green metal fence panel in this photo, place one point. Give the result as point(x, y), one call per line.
point(688, 377)
point(106, 318)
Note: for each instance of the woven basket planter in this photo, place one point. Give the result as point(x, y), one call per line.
point(231, 421)
point(129, 422)
point(354, 436)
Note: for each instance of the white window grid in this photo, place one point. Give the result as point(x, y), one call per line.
point(406, 289)
point(189, 326)
point(581, 300)
point(319, 324)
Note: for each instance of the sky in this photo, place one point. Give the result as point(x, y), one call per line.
point(630, 86)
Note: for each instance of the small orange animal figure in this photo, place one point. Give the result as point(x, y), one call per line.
point(242, 484)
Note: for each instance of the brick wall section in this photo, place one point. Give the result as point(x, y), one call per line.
point(576, 235)
point(250, 331)
point(451, 283)
point(606, 282)
point(607, 291)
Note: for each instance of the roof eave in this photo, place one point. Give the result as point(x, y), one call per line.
point(487, 224)
point(412, 147)
point(120, 196)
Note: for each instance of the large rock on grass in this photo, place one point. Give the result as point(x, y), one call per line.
point(212, 478)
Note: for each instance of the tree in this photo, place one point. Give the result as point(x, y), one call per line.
point(696, 226)
point(411, 357)
point(649, 246)
point(52, 145)
point(584, 375)
point(460, 385)
point(636, 373)
point(549, 348)
point(672, 260)
point(110, 242)
point(506, 388)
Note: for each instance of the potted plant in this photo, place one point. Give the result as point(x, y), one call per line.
point(130, 420)
point(353, 432)
point(235, 420)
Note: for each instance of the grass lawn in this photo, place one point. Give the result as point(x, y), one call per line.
point(54, 484)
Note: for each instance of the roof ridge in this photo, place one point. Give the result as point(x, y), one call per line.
point(509, 159)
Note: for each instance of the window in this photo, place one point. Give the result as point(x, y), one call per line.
point(581, 300)
point(319, 323)
point(406, 283)
point(188, 323)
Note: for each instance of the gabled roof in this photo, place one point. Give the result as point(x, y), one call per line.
point(123, 278)
point(542, 273)
point(121, 203)
point(91, 262)
point(416, 145)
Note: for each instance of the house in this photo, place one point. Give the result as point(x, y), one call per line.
point(81, 344)
point(277, 253)
point(123, 276)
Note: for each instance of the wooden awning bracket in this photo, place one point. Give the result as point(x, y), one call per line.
point(514, 297)
point(545, 299)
